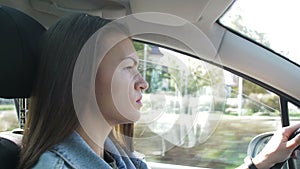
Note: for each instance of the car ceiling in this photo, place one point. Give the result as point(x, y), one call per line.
point(235, 52)
point(191, 10)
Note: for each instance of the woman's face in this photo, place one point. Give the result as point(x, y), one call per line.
point(119, 85)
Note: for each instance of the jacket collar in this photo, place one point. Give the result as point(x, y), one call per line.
point(77, 153)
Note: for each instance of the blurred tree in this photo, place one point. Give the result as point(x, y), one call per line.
point(139, 47)
point(249, 87)
point(236, 23)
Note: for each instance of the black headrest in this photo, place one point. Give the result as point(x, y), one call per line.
point(19, 35)
point(10, 146)
point(9, 154)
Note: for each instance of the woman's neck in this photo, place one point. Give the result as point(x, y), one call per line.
point(97, 141)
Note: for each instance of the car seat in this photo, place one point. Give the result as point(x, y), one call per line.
point(19, 34)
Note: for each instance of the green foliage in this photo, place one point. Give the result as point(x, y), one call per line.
point(249, 88)
point(263, 103)
point(7, 107)
point(197, 78)
point(139, 47)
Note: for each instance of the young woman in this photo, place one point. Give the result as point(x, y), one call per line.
point(59, 134)
point(53, 136)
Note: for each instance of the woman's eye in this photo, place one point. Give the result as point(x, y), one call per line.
point(129, 67)
point(129, 64)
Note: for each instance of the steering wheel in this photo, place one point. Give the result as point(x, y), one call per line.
point(279, 165)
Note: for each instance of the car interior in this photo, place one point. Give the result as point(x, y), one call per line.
point(24, 21)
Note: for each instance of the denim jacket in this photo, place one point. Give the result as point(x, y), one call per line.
point(74, 153)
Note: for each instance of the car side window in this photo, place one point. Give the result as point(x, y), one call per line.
point(8, 115)
point(294, 113)
point(294, 117)
point(197, 114)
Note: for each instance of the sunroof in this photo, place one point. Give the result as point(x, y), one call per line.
point(270, 23)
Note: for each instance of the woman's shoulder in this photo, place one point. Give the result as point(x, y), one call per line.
point(50, 160)
point(73, 153)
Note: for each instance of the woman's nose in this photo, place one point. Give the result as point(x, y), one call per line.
point(141, 83)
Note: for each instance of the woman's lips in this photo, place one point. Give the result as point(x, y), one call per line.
point(139, 101)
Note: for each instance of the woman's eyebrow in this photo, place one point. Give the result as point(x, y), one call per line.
point(133, 59)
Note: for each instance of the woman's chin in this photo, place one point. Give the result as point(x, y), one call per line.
point(135, 116)
point(131, 117)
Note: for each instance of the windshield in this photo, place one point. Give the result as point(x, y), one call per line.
point(270, 23)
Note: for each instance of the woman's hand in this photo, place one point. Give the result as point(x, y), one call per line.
point(279, 148)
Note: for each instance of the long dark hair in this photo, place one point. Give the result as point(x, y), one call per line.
point(51, 116)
